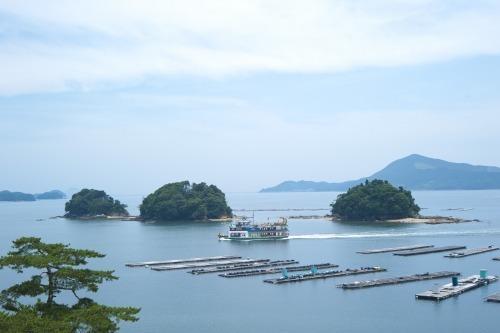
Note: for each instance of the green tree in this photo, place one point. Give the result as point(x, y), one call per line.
point(57, 271)
point(185, 201)
point(90, 202)
point(375, 200)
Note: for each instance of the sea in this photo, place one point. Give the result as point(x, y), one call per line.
point(175, 301)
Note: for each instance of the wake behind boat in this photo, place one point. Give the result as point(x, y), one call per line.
point(247, 230)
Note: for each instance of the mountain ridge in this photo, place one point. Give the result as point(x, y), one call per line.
point(414, 172)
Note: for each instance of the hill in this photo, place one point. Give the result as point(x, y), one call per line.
point(90, 203)
point(50, 195)
point(415, 172)
point(16, 196)
point(20, 196)
point(184, 201)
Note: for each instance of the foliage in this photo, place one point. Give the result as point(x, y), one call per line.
point(58, 271)
point(92, 203)
point(16, 196)
point(183, 201)
point(375, 200)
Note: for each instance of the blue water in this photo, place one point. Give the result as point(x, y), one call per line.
point(177, 301)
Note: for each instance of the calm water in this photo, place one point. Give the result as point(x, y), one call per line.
point(177, 301)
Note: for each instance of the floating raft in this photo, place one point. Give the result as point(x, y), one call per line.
point(462, 286)
point(276, 270)
point(493, 298)
point(324, 275)
point(395, 249)
point(397, 280)
point(225, 268)
point(429, 250)
point(207, 264)
point(180, 261)
point(471, 252)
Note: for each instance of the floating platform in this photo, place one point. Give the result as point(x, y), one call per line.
point(395, 249)
point(462, 286)
point(207, 264)
point(180, 261)
point(493, 298)
point(225, 268)
point(397, 280)
point(429, 250)
point(277, 270)
point(324, 275)
point(471, 252)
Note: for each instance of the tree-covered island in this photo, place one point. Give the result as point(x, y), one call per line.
point(375, 200)
point(184, 201)
point(90, 203)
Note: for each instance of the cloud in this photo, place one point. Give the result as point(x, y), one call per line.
point(62, 45)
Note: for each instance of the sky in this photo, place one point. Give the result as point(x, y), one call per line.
point(126, 96)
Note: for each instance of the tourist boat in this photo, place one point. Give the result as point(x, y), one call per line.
point(247, 230)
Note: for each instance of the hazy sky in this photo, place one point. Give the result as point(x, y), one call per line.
point(128, 95)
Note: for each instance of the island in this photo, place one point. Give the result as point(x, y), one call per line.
point(379, 201)
point(16, 196)
point(91, 204)
point(50, 195)
point(375, 200)
point(20, 196)
point(183, 201)
point(415, 172)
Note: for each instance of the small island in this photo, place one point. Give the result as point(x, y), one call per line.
point(182, 201)
point(91, 204)
point(16, 196)
point(20, 196)
point(378, 200)
point(50, 195)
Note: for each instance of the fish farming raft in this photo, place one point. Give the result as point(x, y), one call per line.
point(471, 252)
point(397, 280)
point(323, 275)
point(395, 249)
point(429, 250)
point(277, 270)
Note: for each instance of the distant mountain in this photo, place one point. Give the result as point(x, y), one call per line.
point(54, 194)
point(414, 172)
point(19, 196)
point(16, 196)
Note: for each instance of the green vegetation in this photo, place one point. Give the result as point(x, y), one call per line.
point(183, 201)
point(56, 273)
point(88, 203)
point(375, 200)
point(16, 196)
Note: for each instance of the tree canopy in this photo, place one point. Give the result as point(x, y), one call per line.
point(185, 201)
point(375, 200)
point(57, 271)
point(90, 202)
